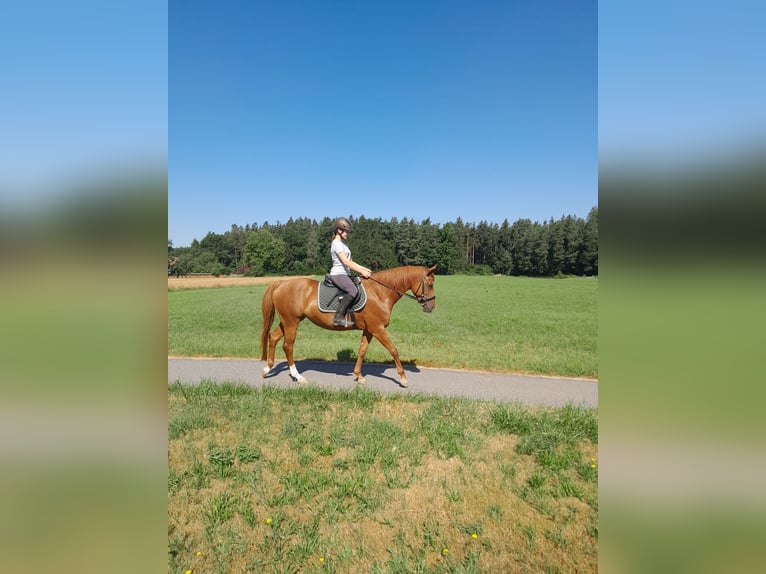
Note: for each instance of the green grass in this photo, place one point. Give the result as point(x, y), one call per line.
point(310, 480)
point(501, 324)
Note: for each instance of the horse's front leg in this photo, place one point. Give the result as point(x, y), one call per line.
point(366, 338)
point(385, 340)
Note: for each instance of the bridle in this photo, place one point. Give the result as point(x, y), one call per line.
point(422, 299)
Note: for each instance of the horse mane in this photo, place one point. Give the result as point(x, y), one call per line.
point(397, 277)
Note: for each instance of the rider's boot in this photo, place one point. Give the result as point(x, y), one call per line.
point(340, 315)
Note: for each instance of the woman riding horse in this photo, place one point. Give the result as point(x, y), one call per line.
point(296, 299)
point(341, 269)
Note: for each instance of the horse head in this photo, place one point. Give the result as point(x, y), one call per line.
point(425, 291)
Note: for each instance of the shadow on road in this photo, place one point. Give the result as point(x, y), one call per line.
point(345, 369)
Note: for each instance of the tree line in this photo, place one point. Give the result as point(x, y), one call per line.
point(567, 246)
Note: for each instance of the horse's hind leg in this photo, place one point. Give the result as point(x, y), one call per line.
point(274, 338)
point(287, 345)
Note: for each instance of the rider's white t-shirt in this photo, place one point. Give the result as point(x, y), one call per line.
point(337, 246)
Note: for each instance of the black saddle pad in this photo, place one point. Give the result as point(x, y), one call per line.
point(327, 296)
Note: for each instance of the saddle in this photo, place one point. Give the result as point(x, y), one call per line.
point(327, 296)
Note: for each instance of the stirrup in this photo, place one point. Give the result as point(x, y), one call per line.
point(342, 323)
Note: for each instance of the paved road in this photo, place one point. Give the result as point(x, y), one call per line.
point(529, 390)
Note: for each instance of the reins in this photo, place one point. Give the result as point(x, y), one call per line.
point(422, 299)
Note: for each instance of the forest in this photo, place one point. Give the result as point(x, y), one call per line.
point(301, 246)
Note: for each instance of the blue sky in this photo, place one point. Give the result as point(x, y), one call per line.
point(483, 110)
point(429, 109)
point(680, 82)
point(84, 92)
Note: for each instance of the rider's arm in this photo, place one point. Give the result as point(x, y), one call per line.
point(361, 269)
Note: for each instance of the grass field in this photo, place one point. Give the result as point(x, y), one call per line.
point(308, 480)
point(302, 479)
point(502, 324)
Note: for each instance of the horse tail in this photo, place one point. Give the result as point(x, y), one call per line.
point(267, 308)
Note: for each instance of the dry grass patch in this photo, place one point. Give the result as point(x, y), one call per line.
point(209, 281)
point(306, 480)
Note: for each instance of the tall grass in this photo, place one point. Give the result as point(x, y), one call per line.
point(504, 324)
point(309, 480)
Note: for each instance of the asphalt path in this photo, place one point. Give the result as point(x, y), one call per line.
point(501, 387)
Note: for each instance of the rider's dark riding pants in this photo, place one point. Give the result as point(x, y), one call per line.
point(345, 283)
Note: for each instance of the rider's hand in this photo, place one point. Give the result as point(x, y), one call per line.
point(366, 273)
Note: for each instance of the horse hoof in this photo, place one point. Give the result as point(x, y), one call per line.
point(266, 371)
point(300, 379)
point(361, 380)
point(404, 383)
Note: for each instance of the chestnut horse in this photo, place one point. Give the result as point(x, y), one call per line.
point(296, 299)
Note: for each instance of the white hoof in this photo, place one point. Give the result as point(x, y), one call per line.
point(266, 371)
point(297, 377)
point(404, 383)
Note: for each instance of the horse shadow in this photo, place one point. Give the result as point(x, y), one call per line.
point(344, 366)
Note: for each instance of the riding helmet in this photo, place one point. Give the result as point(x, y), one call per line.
point(343, 223)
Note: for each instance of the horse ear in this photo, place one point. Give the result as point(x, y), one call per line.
point(431, 270)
